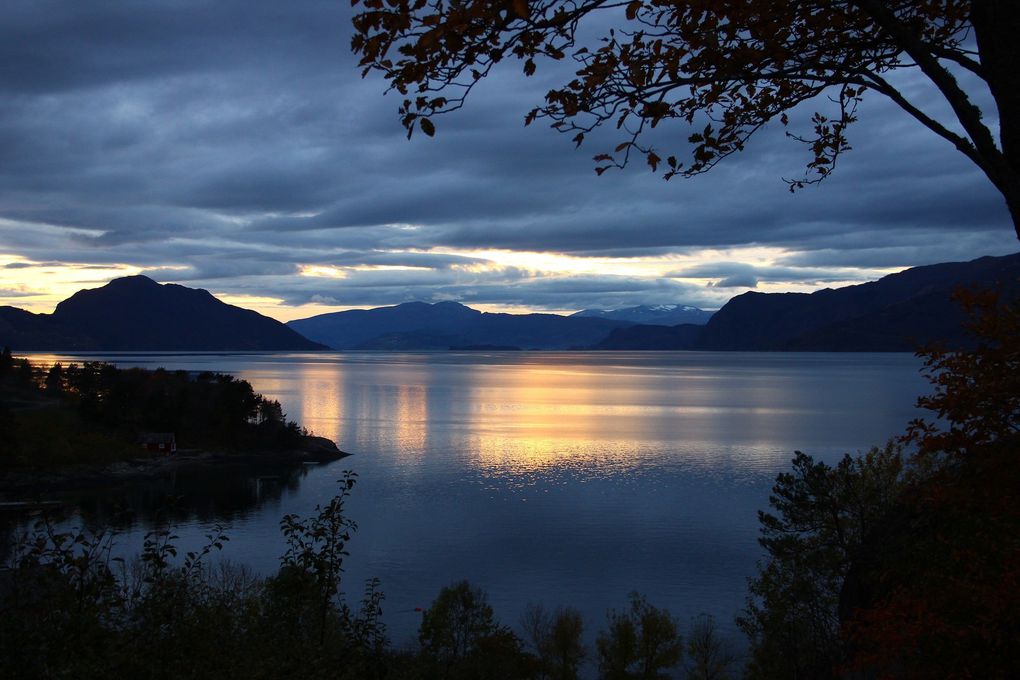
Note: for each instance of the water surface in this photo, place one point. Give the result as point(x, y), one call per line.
point(561, 478)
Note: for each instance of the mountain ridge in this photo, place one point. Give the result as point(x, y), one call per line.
point(137, 313)
point(898, 312)
point(421, 325)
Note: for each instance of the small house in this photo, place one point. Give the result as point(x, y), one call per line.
point(159, 442)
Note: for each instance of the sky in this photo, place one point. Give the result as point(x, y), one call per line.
point(234, 146)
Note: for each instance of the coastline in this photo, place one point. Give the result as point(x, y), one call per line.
point(18, 485)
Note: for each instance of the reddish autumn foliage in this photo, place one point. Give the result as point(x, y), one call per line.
point(942, 588)
point(977, 393)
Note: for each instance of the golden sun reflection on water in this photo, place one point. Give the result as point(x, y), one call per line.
point(321, 397)
point(410, 422)
point(525, 415)
point(512, 416)
point(535, 417)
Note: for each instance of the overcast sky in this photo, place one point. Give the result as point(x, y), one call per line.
point(233, 146)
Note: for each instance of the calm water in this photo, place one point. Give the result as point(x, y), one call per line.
point(561, 478)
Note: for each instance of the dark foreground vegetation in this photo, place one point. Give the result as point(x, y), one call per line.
point(899, 563)
point(71, 609)
point(96, 413)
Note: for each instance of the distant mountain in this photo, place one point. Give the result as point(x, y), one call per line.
point(136, 313)
point(898, 312)
point(658, 315)
point(645, 337)
point(419, 325)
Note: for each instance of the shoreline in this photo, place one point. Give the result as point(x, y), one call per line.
point(16, 485)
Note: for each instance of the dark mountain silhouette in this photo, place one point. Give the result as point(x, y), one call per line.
point(136, 313)
point(658, 315)
point(898, 312)
point(644, 337)
point(24, 330)
point(419, 325)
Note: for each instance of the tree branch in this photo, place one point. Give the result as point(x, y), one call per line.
point(993, 161)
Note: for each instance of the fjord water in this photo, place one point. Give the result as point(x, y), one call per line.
point(560, 478)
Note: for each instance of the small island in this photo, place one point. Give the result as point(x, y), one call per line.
point(65, 427)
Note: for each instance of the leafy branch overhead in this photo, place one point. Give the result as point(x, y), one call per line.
point(723, 68)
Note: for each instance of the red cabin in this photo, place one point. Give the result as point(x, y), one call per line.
point(159, 442)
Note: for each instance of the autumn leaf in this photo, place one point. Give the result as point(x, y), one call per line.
point(653, 160)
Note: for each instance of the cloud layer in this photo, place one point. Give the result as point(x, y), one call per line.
point(234, 146)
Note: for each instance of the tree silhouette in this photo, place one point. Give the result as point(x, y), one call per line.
point(934, 593)
point(726, 68)
point(640, 643)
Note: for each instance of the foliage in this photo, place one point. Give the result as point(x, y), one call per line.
point(641, 642)
point(901, 564)
point(724, 68)
point(93, 412)
point(977, 392)
point(316, 548)
point(460, 637)
point(938, 595)
point(557, 641)
point(822, 515)
point(458, 618)
point(708, 656)
point(70, 609)
point(58, 436)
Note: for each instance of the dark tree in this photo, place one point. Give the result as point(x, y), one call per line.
point(725, 68)
point(55, 379)
point(934, 593)
point(457, 620)
point(708, 655)
point(461, 639)
point(556, 639)
point(640, 643)
point(818, 521)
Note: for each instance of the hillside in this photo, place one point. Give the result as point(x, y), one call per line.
point(898, 312)
point(136, 313)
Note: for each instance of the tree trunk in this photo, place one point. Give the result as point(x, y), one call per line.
point(997, 30)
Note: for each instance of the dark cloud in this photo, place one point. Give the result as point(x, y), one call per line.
point(17, 293)
point(740, 274)
point(230, 143)
point(737, 281)
point(583, 291)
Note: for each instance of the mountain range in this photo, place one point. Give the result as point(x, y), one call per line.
point(898, 312)
point(419, 325)
point(657, 315)
point(136, 313)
